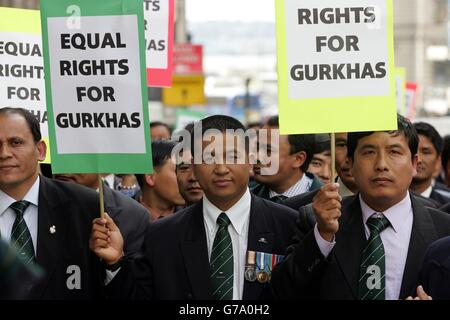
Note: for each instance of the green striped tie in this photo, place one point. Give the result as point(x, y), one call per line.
point(221, 261)
point(372, 272)
point(20, 235)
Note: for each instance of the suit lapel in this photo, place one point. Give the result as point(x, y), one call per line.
point(109, 199)
point(195, 254)
point(350, 241)
point(261, 239)
point(49, 244)
point(423, 233)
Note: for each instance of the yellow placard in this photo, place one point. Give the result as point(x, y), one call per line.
point(324, 113)
point(185, 91)
point(23, 26)
point(48, 158)
point(20, 20)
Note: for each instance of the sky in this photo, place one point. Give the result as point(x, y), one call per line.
point(230, 10)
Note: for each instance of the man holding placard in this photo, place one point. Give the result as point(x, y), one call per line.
point(368, 246)
point(46, 220)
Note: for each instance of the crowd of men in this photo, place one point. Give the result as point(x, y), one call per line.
point(220, 228)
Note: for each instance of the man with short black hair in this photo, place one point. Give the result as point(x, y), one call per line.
point(160, 131)
point(429, 152)
point(48, 221)
point(320, 164)
point(160, 194)
point(223, 247)
point(188, 185)
point(294, 153)
point(357, 248)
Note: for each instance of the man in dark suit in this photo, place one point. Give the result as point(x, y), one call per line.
point(445, 208)
point(294, 153)
point(130, 216)
point(358, 247)
point(430, 152)
point(47, 221)
point(160, 193)
point(223, 247)
point(435, 271)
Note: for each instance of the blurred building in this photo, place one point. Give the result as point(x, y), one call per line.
point(421, 46)
point(25, 4)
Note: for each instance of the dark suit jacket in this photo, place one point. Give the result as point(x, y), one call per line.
point(435, 272)
point(130, 216)
point(440, 193)
point(445, 208)
point(176, 263)
point(306, 274)
point(65, 254)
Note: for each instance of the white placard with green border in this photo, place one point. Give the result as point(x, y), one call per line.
point(335, 65)
point(94, 57)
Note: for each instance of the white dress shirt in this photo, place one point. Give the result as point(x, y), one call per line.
point(8, 216)
point(109, 179)
point(239, 216)
point(302, 186)
point(395, 242)
point(427, 192)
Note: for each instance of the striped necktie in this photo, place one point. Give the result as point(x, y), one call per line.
point(20, 235)
point(373, 268)
point(221, 261)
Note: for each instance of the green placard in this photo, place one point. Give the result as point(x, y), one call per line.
point(94, 58)
point(335, 66)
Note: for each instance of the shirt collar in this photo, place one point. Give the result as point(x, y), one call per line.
point(302, 186)
point(427, 192)
point(238, 214)
point(109, 180)
point(397, 214)
point(32, 196)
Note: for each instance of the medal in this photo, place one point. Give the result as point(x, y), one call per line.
point(262, 277)
point(250, 271)
point(250, 274)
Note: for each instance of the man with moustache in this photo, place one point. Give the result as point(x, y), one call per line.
point(356, 249)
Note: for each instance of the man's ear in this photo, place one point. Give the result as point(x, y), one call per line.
point(42, 150)
point(300, 158)
point(150, 179)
